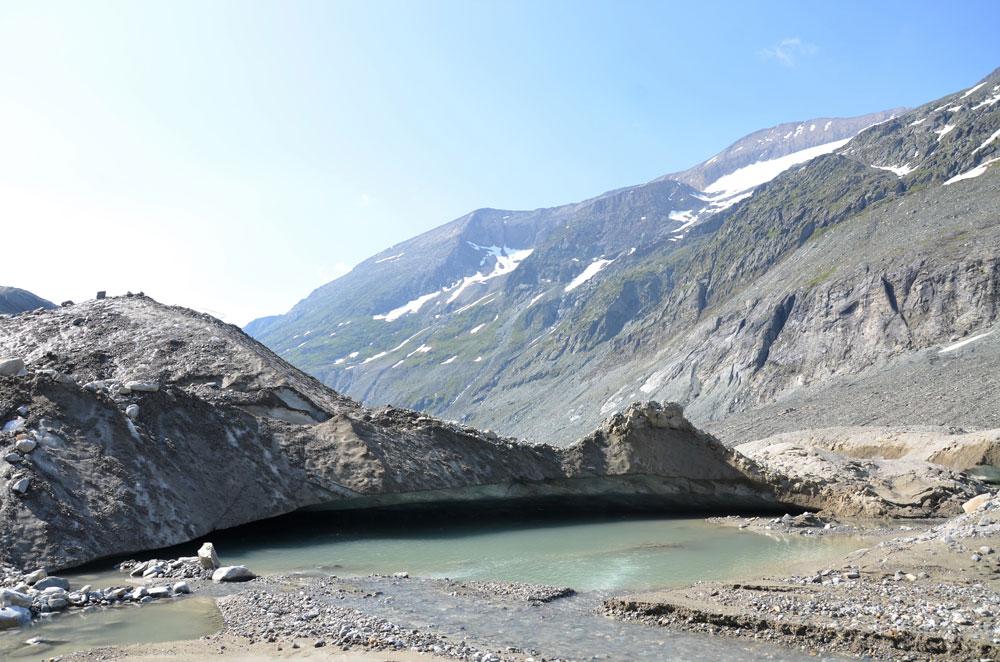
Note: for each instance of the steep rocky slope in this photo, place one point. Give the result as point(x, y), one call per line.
point(14, 300)
point(858, 272)
point(128, 425)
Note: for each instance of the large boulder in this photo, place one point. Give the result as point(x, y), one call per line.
point(207, 556)
point(232, 573)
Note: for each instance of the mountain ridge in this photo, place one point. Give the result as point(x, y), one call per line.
point(616, 283)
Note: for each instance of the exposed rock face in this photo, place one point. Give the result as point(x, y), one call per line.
point(227, 433)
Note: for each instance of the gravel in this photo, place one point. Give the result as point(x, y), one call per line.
point(309, 617)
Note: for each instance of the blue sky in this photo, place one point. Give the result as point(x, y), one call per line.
point(232, 156)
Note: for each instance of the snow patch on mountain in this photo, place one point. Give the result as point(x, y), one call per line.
point(423, 349)
point(483, 299)
point(682, 216)
point(996, 134)
point(971, 90)
point(974, 172)
point(963, 343)
point(899, 171)
point(589, 272)
point(535, 299)
point(945, 130)
point(374, 357)
point(409, 307)
point(507, 259)
point(990, 100)
point(758, 173)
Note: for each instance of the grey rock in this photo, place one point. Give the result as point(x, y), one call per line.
point(13, 458)
point(36, 576)
point(13, 425)
point(132, 411)
point(232, 573)
point(52, 582)
point(25, 445)
point(13, 598)
point(154, 569)
point(141, 387)
point(20, 485)
point(14, 617)
point(959, 618)
point(11, 367)
point(208, 557)
point(181, 588)
point(160, 592)
point(58, 603)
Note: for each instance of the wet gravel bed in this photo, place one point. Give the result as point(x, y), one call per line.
point(887, 616)
point(274, 611)
point(516, 591)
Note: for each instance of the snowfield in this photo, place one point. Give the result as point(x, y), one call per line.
point(761, 172)
point(592, 270)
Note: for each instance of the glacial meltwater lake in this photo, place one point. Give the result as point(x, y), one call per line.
point(598, 557)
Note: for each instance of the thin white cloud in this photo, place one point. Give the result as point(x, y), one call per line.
point(789, 51)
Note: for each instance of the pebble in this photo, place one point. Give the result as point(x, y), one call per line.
point(25, 445)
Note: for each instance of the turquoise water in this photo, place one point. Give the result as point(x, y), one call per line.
point(597, 557)
point(596, 554)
